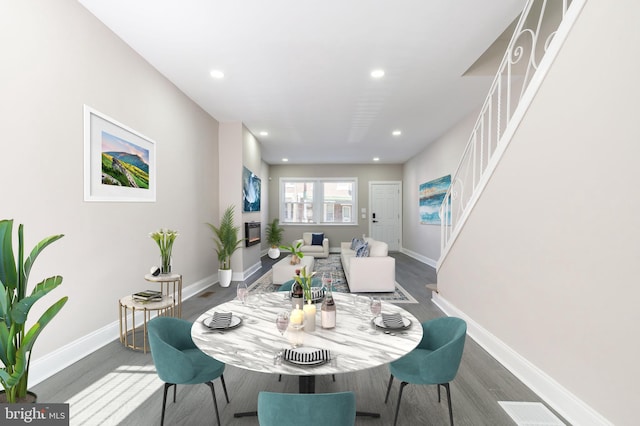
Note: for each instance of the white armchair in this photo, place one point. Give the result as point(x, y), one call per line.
point(319, 249)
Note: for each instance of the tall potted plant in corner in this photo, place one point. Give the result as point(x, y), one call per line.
point(227, 242)
point(274, 238)
point(16, 342)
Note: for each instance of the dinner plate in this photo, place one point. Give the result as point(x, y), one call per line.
point(378, 323)
point(306, 349)
point(235, 322)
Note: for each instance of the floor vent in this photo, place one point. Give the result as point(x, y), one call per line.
point(207, 294)
point(530, 414)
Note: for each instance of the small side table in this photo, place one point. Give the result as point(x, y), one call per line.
point(127, 305)
point(170, 285)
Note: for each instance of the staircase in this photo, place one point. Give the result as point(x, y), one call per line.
point(542, 28)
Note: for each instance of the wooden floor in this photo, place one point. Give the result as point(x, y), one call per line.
point(118, 386)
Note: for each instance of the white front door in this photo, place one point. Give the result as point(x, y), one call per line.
point(385, 212)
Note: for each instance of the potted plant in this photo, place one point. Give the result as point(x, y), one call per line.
point(296, 254)
point(227, 242)
point(16, 342)
point(274, 238)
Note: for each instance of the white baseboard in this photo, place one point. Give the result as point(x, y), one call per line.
point(247, 273)
point(569, 406)
point(53, 362)
point(419, 257)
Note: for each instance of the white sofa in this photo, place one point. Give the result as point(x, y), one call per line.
point(374, 273)
point(313, 250)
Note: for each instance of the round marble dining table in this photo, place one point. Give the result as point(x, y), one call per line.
point(354, 344)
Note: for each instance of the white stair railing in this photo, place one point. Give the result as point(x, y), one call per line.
point(538, 35)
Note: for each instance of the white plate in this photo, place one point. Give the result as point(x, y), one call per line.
point(235, 322)
point(378, 323)
point(305, 349)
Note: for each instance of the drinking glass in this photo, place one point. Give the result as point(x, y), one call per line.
point(282, 321)
point(242, 292)
point(361, 305)
point(375, 306)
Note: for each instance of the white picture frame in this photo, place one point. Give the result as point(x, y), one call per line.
point(128, 155)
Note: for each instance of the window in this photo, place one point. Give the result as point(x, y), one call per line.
point(319, 200)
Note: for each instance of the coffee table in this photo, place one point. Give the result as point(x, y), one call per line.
point(284, 271)
point(254, 344)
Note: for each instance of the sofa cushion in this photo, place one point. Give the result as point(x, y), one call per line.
point(378, 248)
point(362, 250)
point(306, 238)
point(317, 238)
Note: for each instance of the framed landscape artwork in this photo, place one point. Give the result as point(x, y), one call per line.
point(119, 163)
point(431, 195)
point(250, 191)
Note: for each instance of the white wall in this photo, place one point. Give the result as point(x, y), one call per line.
point(547, 262)
point(438, 159)
point(252, 160)
point(56, 57)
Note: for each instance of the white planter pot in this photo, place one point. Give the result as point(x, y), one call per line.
point(225, 277)
point(274, 252)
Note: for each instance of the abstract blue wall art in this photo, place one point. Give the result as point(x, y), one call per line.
point(250, 191)
point(431, 194)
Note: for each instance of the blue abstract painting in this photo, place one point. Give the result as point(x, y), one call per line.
point(250, 191)
point(431, 195)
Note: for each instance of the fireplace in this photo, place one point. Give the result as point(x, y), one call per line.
point(252, 233)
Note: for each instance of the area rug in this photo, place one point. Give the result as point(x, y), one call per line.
point(334, 265)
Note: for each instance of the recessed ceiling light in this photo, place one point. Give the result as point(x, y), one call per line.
point(396, 132)
point(263, 133)
point(284, 160)
point(376, 158)
point(217, 74)
point(377, 73)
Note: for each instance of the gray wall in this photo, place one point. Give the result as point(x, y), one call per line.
point(336, 234)
point(548, 259)
point(57, 57)
point(440, 158)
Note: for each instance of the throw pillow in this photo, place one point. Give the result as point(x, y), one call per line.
point(317, 238)
point(355, 243)
point(362, 250)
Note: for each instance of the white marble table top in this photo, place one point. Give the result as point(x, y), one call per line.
point(254, 343)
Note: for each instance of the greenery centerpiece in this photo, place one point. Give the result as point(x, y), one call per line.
point(305, 280)
point(16, 342)
point(227, 242)
point(274, 238)
point(296, 254)
point(165, 239)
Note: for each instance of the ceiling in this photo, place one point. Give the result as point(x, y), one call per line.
point(300, 70)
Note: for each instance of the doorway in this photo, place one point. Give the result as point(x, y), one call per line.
point(385, 212)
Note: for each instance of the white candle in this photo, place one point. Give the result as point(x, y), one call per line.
point(297, 316)
point(309, 317)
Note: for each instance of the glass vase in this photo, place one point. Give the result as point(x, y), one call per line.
point(165, 264)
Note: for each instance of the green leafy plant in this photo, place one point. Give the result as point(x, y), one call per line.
point(296, 254)
point(305, 280)
point(274, 233)
point(16, 342)
point(226, 238)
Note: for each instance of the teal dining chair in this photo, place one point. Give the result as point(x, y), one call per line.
point(178, 360)
point(435, 360)
point(293, 409)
